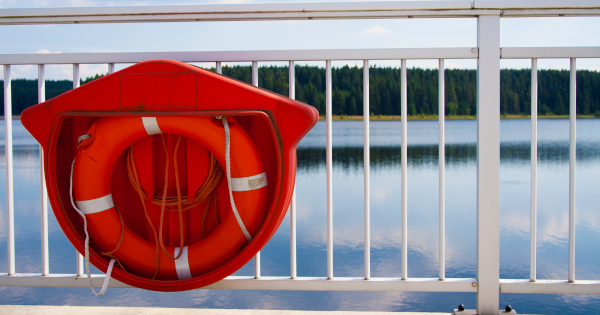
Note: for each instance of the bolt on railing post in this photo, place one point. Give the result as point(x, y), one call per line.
point(8, 156)
point(488, 164)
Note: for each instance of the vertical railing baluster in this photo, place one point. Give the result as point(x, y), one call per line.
point(533, 229)
point(293, 268)
point(43, 190)
point(442, 165)
point(257, 257)
point(218, 68)
point(8, 156)
point(329, 162)
point(488, 164)
point(80, 266)
point(572, 159)
point(404, 157)
point(111, 68)
point(367, 169)
point(255, 73)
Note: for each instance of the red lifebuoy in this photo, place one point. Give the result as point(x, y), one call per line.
point(93, 168)
point(167, 88)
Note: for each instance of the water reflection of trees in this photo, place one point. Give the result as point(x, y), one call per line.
point(351, 158)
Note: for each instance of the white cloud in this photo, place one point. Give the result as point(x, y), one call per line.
point(233, 1)
point(376, 30)
point(86, 71)
point(380, 194)
point(58, 72)
point(69, 3)
point(551, 229)
point(23, 71)
point(351, 64)
point(451, 65)
point(46, 51)
point(79, 3)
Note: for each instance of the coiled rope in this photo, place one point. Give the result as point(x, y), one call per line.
point(175, 203)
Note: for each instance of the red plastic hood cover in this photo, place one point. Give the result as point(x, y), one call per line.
point(162, 86)
point(170, 88)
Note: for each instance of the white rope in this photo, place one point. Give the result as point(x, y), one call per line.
point(87, 236)
point(228, 171)
point(83, 137)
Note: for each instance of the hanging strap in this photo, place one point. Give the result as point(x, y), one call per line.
point(228, 172)
point(87, 236)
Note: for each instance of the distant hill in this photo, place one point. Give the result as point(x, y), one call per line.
point(515, 99)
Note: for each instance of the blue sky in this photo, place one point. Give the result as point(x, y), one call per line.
point(277, 35)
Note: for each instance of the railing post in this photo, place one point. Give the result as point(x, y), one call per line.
point(572, 161)
point(404, 163)
point(442, 169)
point(329, 163)
point(8, 156)
point(44, 191)
point(488, 164)
point(533, 223)
point(76, 83)
point(257, 256)
point(367, 170)
point(293, 269)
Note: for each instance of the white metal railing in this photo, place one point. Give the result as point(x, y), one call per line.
point(301, 11)
point(488, 284)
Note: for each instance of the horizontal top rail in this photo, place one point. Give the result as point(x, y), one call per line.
point(549, 52)
point(241, 56)
point(265, 283)
point(535, 4)
point(298, 11)
point(299, 55)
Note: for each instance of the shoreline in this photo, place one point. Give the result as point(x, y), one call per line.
point(424, 117)
point(435, 117)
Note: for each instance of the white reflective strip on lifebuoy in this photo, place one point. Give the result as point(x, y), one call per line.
point(182, 265)
point(249, 183)
point(95, 205)
point(151, 125)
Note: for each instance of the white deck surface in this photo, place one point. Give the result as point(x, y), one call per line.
point(101, 310)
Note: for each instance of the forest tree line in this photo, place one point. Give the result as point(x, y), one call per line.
point(384, 90)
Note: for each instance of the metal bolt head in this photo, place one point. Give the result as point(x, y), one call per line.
point(508, 308)
point(474, 284)
point(461, 307)
point(473, 50)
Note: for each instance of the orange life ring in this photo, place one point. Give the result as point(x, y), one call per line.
point(92, 172)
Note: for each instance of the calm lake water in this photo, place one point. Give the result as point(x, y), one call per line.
point(553, 198)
